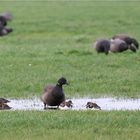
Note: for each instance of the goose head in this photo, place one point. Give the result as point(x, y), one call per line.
point(62, 81)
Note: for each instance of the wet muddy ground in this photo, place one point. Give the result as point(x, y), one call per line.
point(79, 104)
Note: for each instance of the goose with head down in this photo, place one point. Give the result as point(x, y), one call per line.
point(118, 45)
point(102, 46)
point(4, 18)
point(132, 43)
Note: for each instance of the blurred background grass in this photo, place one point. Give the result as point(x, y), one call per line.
point(54, 38)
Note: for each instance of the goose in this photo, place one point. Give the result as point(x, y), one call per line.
point(130, 41)
point(53, 94)
point(118, 45)
point(92, 105)
point(4, 18)
point(68, 103)
point(3, 104)
point(102, 46)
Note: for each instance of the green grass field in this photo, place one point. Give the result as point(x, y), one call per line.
point(70, 125)
point(53, 39)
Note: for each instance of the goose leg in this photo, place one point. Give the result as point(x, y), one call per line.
point(2, 106)
point(45, 106)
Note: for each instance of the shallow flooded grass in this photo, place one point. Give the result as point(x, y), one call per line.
point(78, 104)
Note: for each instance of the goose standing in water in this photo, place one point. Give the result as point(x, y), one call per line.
point(53, 94)
point(68, 104)
point(92, 105)
point(3, 104)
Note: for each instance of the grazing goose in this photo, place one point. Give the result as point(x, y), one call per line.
point(67, 104)
point(130, 41)
point(92, 105)
point(118, 45)
point(102, 46)
point(4, 18)
point(3, 104)
point(54, 95)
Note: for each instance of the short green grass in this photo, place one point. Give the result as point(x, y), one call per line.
point(53, 39)
point(62, 125)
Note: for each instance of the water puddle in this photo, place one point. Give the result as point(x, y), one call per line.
point(79, 104)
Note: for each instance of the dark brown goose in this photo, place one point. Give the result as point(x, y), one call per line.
point(92, 105)
point(102, 46)
point(118, 45)
point(54, 95)
point(4, 18)
point(130, 41)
